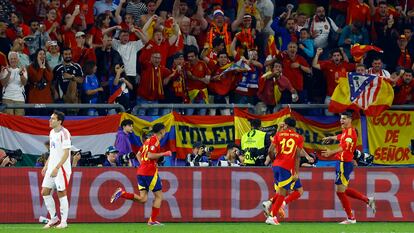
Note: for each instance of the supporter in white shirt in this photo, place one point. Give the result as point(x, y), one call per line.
point(377, 69)
point(13, 79)
point(128, 51)
point(266, 8)
point(57, 171)
point(103, 6)
point(319, 28)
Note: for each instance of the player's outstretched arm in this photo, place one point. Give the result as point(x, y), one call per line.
point(152, 155)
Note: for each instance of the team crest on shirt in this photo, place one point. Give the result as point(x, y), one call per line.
point(326, 27)
point(53, 145)
point(152, 147)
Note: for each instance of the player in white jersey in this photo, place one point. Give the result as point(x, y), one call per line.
point(57, 171)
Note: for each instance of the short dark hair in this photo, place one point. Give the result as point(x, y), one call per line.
point(222, 52)
point(347, 113)
point(126, 122)
point(290, 122)
point(158, 127)
point(408, 71)
point(255, 123)
point(217, 41)
point(190, 49)
point(60, 116)
point(232, 145)
point(66, 49)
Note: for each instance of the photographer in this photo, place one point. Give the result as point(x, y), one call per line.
point(41, 160)
point(111, 158)
point(5, 160)
point(199, 156)
point(75, 154)
point(233, 158)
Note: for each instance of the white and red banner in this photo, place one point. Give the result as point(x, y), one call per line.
point(30, 134)
point(208, 195)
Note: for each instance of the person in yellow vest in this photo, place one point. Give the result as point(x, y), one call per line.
point(254, 144)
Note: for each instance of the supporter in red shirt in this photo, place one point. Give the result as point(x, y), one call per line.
point(26, 8)
point(334, 68)
point(358, 11)
point(150, 88)
point(197, 79)
point(69, 29)
point(17, 28)
point(405, 58)
point(158, 43)
point(52, 24)
point(86, 14)
point(80, 53)
point(404, 89)
point(101, 27)
point(293, 67)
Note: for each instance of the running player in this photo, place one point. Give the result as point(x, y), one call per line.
point(147, 174)
point(288, 145)
point(344, 166)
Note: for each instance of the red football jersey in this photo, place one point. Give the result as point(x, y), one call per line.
point(286, 144)
point(148, 166)
point(347, 141)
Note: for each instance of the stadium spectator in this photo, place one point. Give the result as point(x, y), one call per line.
point(377, 68)
point(358, 11)
point(53, 55)
point(272, 80)
point(136, 8)
point(198, 157)
point(152, 6)
point(285, 29)
point(323, 30)
point(305, 45)
point(104, 6)
point(5, 160)
point(111, 157)
point(67, 76)
point(219, 28)
point(333, 69)
point(52, 25)
point(17, 27)
point(354, 33)
point(40, 82)
point(13, 78)
point(118, 82)
point(91, 87)
point(38, 37)
point(102, 27)
point(406, 56)
point(82, 53)
point(266, 10)
point(404, 88)
point(69, 29)
point(179, 11)
point(232, 158)
point(197, 79)
point(5, 42)
point(122, 143)
point(185, 27)
point(20, 48)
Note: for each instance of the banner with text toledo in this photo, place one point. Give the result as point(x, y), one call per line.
point(312, 131)
point(216, 131)
point(389, 136)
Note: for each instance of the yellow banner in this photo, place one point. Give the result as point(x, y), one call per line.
point(215, 131)
point(389, 137)
point(312, 131)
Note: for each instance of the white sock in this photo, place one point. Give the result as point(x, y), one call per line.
point(50, 205)
point(64, 208)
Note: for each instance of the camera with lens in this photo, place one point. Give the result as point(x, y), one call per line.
point(208, 149)
point(41, 84)
point(125, 158)
point(87, 159)
point(14, 154)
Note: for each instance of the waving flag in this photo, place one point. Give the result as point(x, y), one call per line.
point(358, 51)
point(271, 48)
point(228, 79)
point(370, 93)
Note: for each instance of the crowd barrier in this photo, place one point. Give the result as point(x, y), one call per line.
point(208, 195)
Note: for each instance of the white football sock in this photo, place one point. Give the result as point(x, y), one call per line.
point(64, 208)
point(50, 205)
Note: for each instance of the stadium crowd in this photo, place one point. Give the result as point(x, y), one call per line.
point(200, 51)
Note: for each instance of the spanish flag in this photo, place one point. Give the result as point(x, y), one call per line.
point(358, 51)
point(271, 48)
point(368, 92)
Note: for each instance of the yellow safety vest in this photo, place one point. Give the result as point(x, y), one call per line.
point(253, 139)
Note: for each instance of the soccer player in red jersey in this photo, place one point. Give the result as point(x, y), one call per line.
point(288, 145)
point(147, 174)
point(344, 167)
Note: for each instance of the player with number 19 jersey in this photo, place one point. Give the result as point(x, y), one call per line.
point(286, 144)
point(148, 167)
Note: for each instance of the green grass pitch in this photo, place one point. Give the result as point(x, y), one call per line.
point(308, 227)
